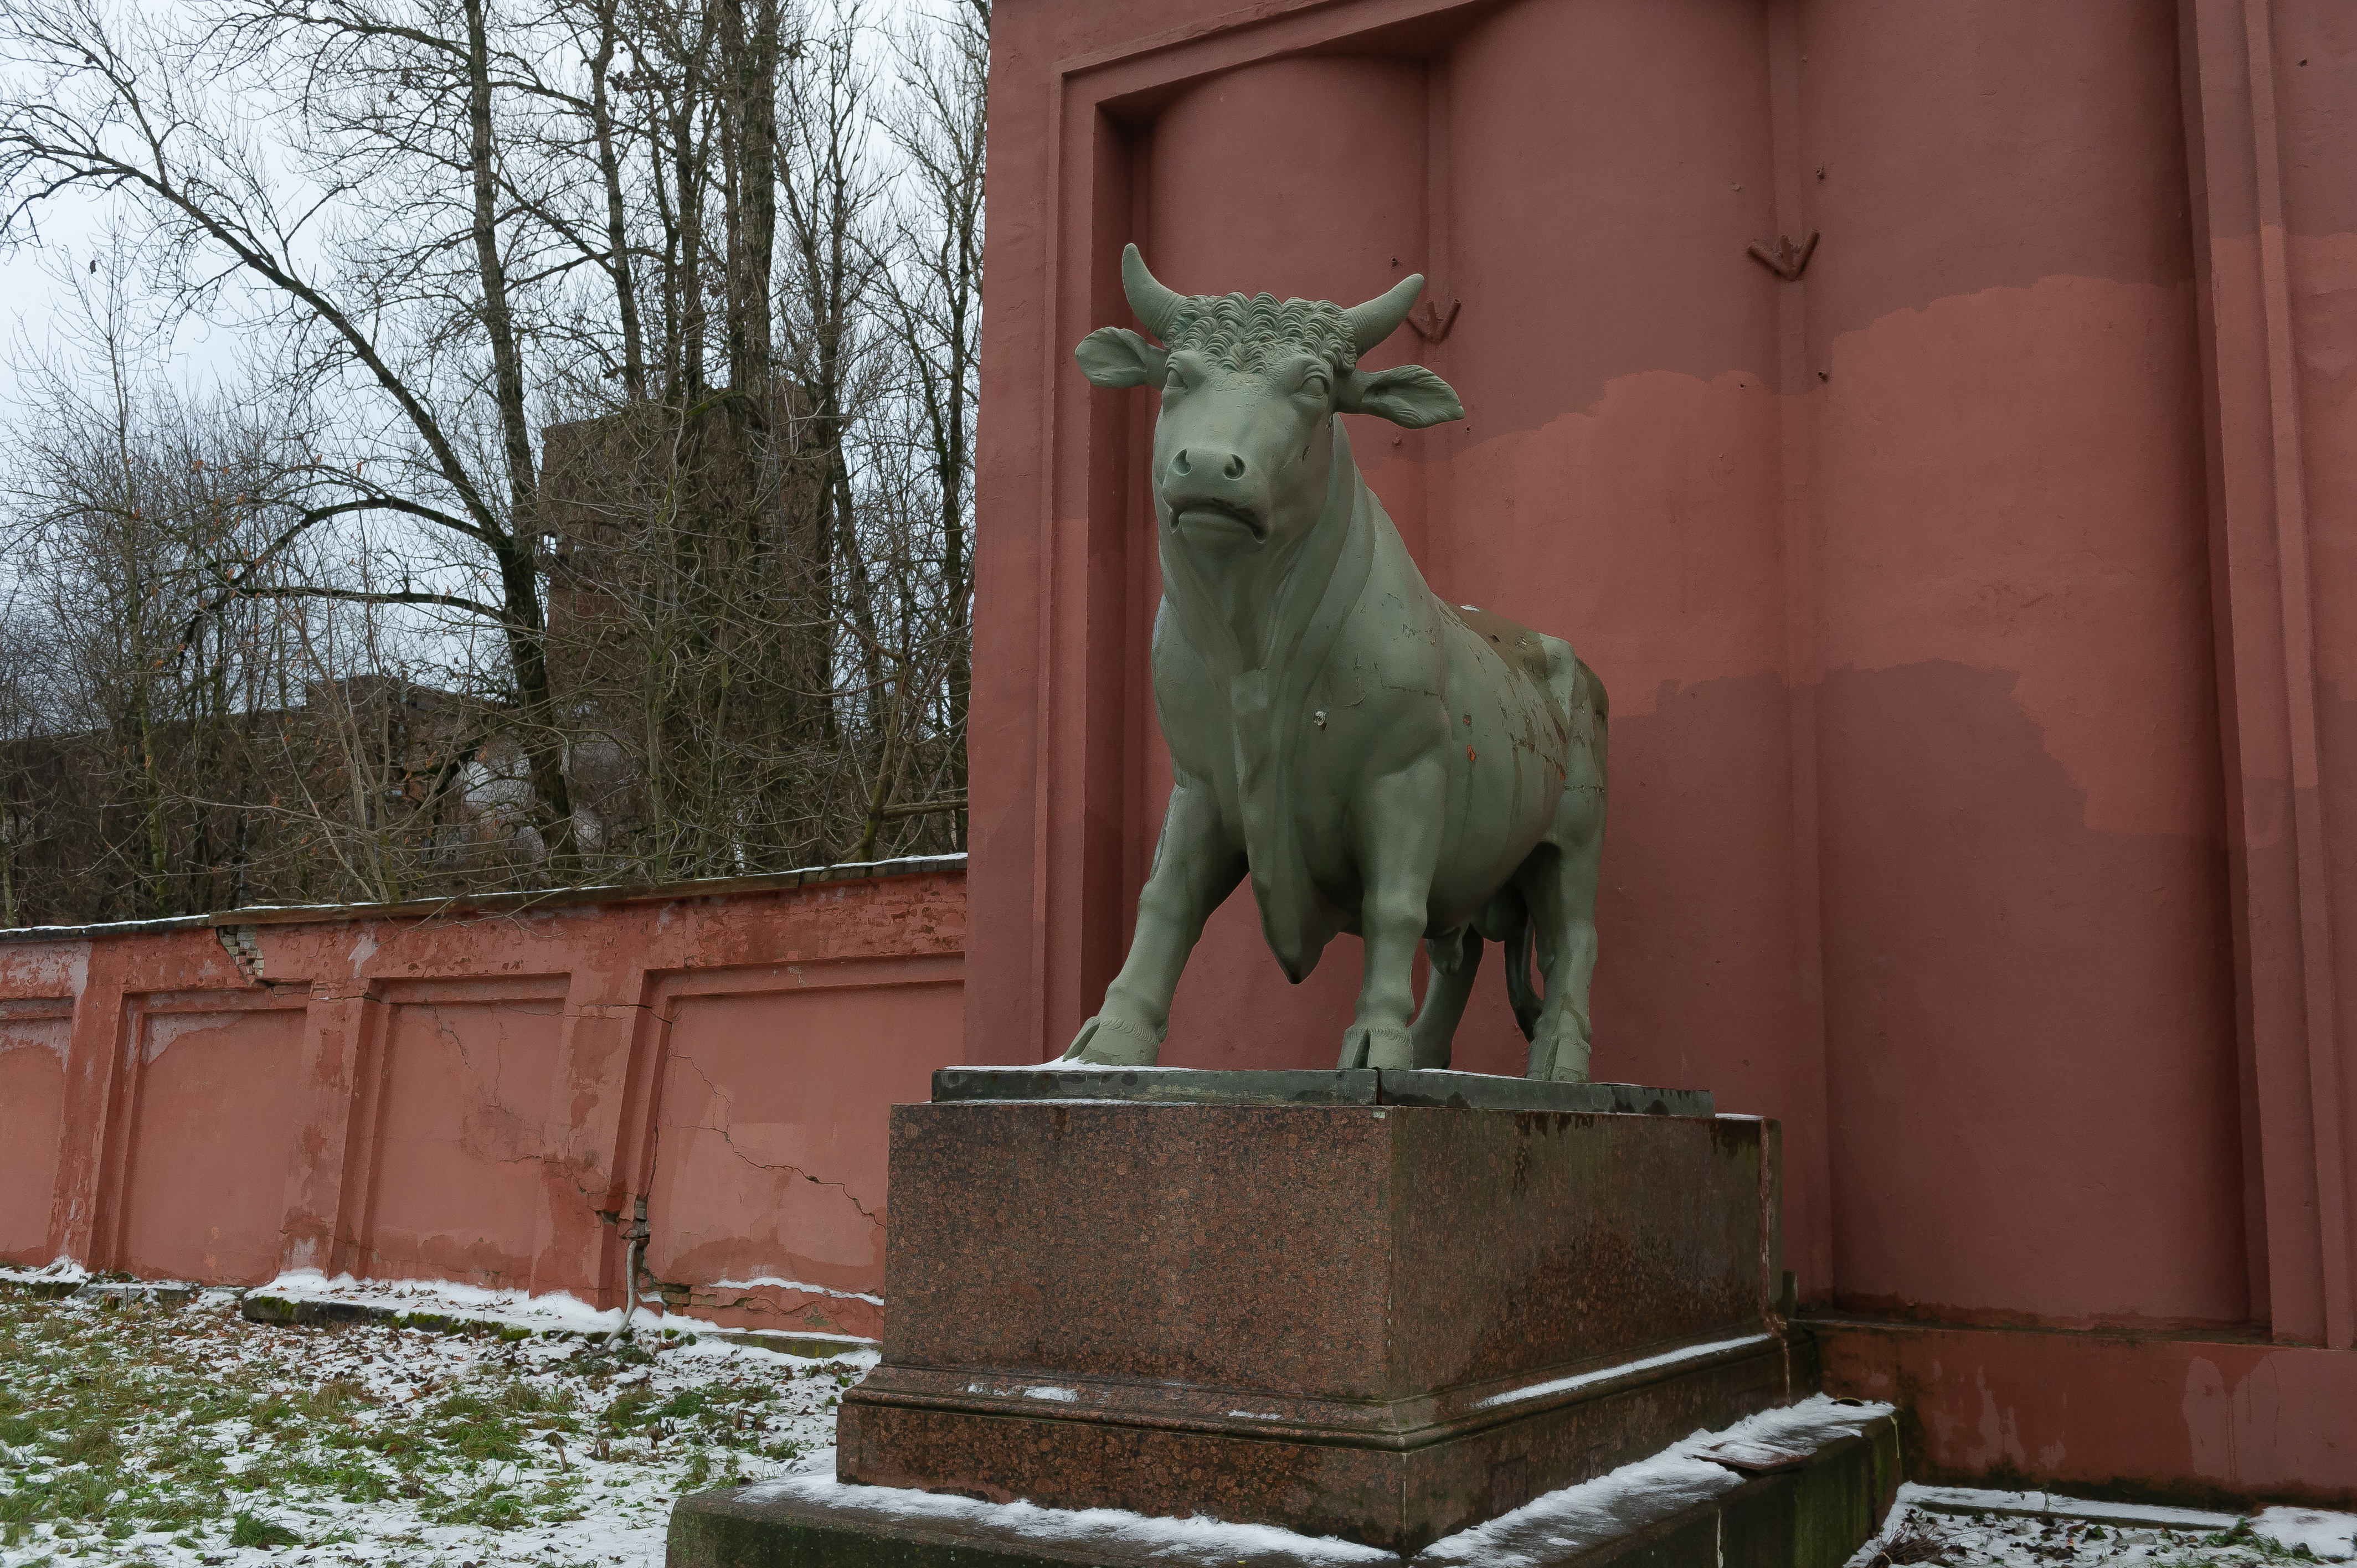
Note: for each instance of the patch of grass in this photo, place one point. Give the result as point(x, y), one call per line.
point(189, 1462)
point(629, 1412)
point(497, 1505)
point(89, 1444)
point(252, 1529)
point(332, 1399)
point(484, 1440)
point(166, 1508)
point(688, 1403)
point(353, 1479)
point(394, 1441)
point(130, 1426)
point(60, 1495)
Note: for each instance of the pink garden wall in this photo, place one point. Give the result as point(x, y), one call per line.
point(469, 1093)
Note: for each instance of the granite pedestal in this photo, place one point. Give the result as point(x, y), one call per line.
point(1379, 1305)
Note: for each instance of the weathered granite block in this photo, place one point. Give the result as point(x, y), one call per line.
point(1814, 1514)
point(1376, 1321)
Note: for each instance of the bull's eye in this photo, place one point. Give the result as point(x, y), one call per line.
point(1315, 384)
point(1175, 382)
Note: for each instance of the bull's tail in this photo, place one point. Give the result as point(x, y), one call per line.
point(1520, 991)
point(1593, 689)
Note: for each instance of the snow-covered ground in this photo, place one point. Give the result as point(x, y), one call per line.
point(161, 1436)
point(2034, 1529)
point(180, 1436)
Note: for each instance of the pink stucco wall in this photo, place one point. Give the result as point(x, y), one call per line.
point(466, 1094)
point(1976, 609)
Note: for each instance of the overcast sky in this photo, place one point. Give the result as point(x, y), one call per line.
point(72, 225)
point(71, 228)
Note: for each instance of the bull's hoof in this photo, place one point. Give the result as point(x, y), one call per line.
point(1567, 1063)
point(1377, 1045)
point(1431, 1049)
point(1107, 1041)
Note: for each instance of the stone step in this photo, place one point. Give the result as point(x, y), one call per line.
point(1811, 1503)
point(306, 1311)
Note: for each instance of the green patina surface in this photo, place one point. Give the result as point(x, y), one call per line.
point(1374, 761)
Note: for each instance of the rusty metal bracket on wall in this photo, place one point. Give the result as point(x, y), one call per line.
point(1434, 326)
point(1788, 260)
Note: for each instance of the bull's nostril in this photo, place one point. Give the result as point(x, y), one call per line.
point(1235, 467)
point(1179, 465)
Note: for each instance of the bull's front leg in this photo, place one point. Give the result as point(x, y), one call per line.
point(1196, 867)
point(1396, 826)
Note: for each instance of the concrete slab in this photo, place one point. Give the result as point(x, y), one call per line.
point(1812, 1514)
point(1359, 1086)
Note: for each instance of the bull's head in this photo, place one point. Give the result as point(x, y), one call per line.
point(1249, 388)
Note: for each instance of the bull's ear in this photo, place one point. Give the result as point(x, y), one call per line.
point(1409, 396)
point(1116, 357)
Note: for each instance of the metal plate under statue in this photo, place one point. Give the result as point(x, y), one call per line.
point(1378, 761)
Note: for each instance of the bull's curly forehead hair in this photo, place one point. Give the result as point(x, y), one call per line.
point(1246, 332)
point(1238, 333)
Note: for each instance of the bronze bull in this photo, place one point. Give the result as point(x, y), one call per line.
point(1378, 761)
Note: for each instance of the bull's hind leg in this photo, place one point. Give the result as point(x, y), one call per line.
point(1558, 881)
point(1456, 957)
point(1560, 886)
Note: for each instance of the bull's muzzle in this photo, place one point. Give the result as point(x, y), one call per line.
point(1213, 491)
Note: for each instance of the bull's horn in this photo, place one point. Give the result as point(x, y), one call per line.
point(1379, 317)
point(1154, 303)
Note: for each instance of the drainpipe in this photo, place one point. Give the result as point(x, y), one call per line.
point(633, 1239)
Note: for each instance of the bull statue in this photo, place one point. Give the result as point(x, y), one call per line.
point(1376, 761)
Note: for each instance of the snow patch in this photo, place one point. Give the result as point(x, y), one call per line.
point(2030, 1529)
point(1551, 1528)
point(1604, 1374)
point(2330, 1536)
point(62, 1270)
point(1192, 1540)
point(556, 1311)
point(1969, 1499)
point(771, 1282)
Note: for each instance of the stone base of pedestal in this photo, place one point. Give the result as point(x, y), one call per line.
point(1379, 1307)
point(1370, 1473)
point(1824, 1499)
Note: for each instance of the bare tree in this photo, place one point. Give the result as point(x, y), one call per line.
point(934, 297)
point(401, 103)
point(727, 624)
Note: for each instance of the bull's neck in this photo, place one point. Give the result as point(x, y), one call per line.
point(1236, 608)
